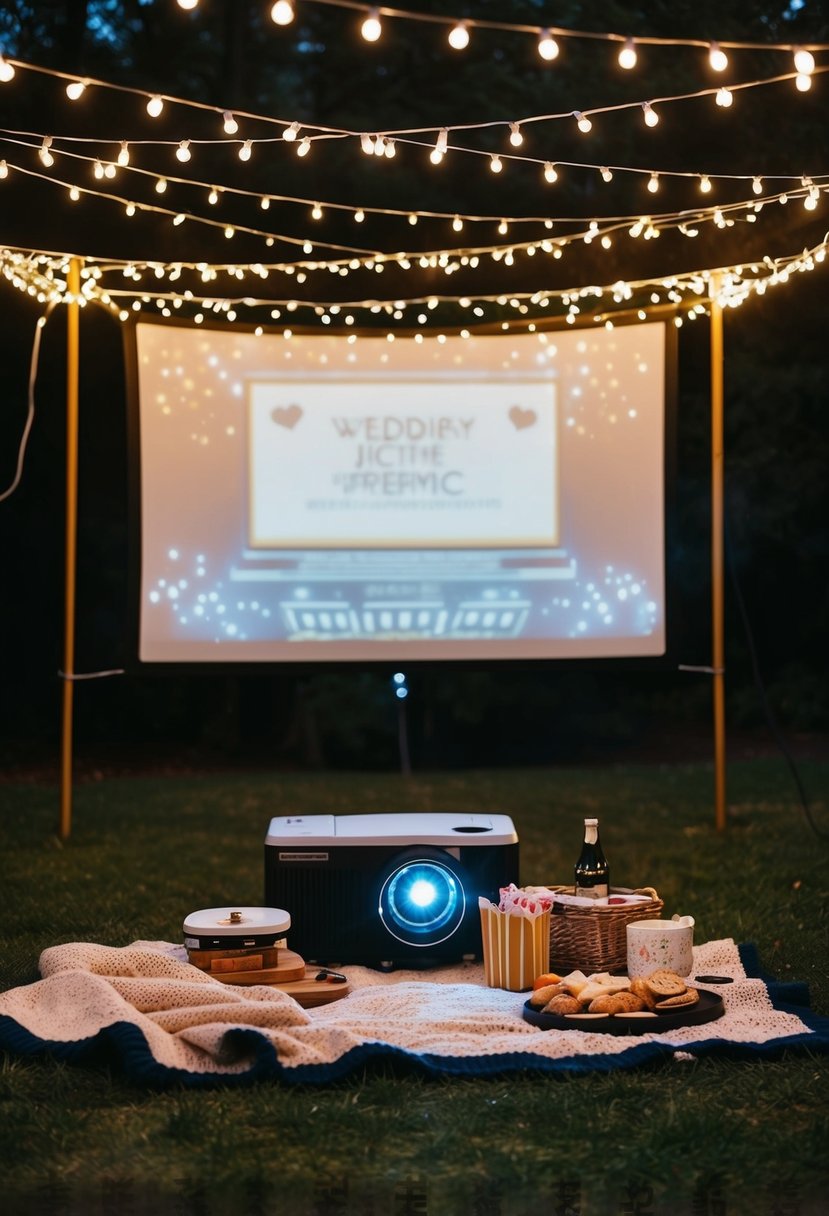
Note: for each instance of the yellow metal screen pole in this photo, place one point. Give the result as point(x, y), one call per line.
point(71, 533)
point(717, 551)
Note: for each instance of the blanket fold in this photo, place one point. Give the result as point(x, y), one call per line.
point(167, 1021)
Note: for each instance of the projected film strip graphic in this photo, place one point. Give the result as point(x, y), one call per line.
point(473, 618)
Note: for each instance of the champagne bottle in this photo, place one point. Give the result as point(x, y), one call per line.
point(591, 872)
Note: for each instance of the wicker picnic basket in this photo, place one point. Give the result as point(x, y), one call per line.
point(595, 939)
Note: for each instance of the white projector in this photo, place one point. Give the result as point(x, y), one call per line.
point(387, 890)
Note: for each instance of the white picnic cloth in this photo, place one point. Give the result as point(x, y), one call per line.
point(446, 1013)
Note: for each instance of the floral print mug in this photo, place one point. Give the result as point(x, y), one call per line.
point(656, 945)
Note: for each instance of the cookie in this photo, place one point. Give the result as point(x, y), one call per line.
point(562, 1004)
point(689, 997)
point(664, 984)
point(640, 988)
point(541, 996)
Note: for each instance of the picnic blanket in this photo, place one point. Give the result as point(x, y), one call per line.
point(164, 1021)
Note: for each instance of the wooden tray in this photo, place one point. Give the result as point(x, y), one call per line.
point(311, 992)
point(289, 966)
point(707, 1009)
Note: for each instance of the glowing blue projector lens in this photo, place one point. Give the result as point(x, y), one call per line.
point(422, 903)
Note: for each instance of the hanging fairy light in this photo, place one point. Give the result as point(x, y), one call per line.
point(245, 150)
point(183, 153)
point(804, 61)
point(371, 29)
point(304, 146)
point(6, 71)
point(705, 184)
point(515, 136)
point(282, 12)
point(607, 175)
point(75, 89)
point(458, 37)
point(653, 183)
point(229, 123)
point(550, 172)
point(627, 55)
point(650, 114)
point(717, 58)
point(803, 82)
point(547, 46)
point(290, 133)
point(155, 105)
point(724, 97)
point(123, 157)
point(46, 157)
point(582, 122)
point(495, 163)
point(188, 5)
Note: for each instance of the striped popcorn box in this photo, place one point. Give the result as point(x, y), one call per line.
point(516, 946)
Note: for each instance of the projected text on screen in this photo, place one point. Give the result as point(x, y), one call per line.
point(395, 464)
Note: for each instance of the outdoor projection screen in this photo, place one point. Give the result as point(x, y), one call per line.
point(332, 498)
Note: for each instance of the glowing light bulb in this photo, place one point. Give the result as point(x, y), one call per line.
point(459, 36)
point(627, 56)
point(6, 71)
point(304, 146)
point(607, 176)
point(810, 202)
point(245, 150)
point(98, 170)
point(547, 46)
point(75, 89)
point(457, 224)
point(651, 116)
point(130, 209)
point(550, 172)
point(724, 97)
point(412, 219)
point(46, 157)
point(379, 145)
point(124, 155)
point(515, 136)
point(316, 212)
point(653, 183)
point(495, 163)
point(282, 12)
point(230, 124)
point(230, 232)
point(4, 170)
point(803, 82)
point(371, 29)
point(583, 122)
point(804, 61)
point(290, 133)
point(178, 221)
point(154, 106)
point(757, 185)
point(705, 184)
point(188, 5)
point(74, 194)
point(435, 156)
point(717, 58)
point(359, 216)
point(183, 151)
point(367, 143)
point(503, 228)
point(389, 149)
point(160, 186)
point(109, 171)
point(265, 202)
point(213, 197)
point(442, 141)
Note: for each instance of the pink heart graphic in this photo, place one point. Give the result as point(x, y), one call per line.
point(287, 415)
point(522, 418)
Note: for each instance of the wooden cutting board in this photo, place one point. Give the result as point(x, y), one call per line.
point(293, 977)
point(311, 992)
point(290, 966)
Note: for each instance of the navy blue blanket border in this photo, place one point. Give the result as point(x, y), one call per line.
point(122, 1044)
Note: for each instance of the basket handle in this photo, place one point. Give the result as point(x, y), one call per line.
point(646, 891)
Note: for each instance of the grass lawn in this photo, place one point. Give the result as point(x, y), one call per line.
point(711, 1138)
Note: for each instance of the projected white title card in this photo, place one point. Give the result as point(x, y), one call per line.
point(433, 465)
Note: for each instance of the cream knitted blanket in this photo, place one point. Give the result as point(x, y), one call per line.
point(168, 1021)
